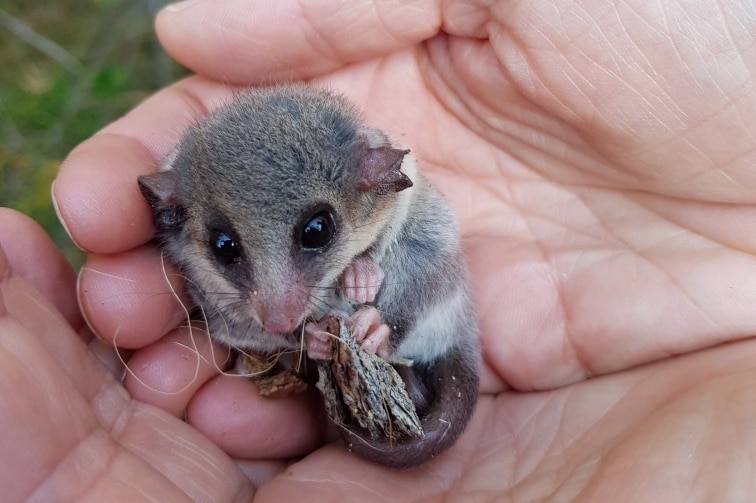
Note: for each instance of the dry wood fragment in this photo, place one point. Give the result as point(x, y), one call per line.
point(281, 385)
point(272, 382)
point(363, 389)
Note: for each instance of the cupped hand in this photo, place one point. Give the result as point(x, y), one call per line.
point(68, 430)
point(599, 156)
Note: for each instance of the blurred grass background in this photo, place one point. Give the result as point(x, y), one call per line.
point(68, 67)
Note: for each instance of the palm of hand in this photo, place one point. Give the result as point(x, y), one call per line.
point(602, 232)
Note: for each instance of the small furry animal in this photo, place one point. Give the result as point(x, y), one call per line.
point(282, 206)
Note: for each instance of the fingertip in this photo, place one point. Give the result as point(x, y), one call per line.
point(256, 42)
point(31, 253)
point(179, 6)
point(97, 197)
point(169, 372)
point(62, 220)
point(96, 193)
point(230, 411)
point(131, 299)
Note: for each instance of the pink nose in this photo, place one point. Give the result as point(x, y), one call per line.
point(279, 318)
point(281, 312)
point(279, 325)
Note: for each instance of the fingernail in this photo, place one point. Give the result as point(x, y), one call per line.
point(60, 217)
point(80, 296)
point(177, 6)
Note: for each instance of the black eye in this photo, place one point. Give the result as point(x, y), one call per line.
point(224, 247)
point(318, 230)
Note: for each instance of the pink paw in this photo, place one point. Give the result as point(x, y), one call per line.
point(365, 325)
point(362, 279)
point(318, 342)
point(369, 330)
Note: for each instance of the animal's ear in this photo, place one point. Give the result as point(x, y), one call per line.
point(160, 191)
point(379, 165)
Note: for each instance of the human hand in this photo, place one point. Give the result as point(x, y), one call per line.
point(68, 429)
point(594, 154)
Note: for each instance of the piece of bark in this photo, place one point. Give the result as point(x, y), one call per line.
point(272, 381)
point(281, 385)
point(363, 389)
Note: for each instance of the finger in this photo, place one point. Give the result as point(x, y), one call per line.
point(275, 40)
point(362, 480)
point(184, 456)
point(32, 255)
point(168, 373)
point(109, 357)
point(131, 299)
point(70, 432)
point(230, 411)
point(39, 387)
point(96, 193)
point(259, 472)
point(24, 308)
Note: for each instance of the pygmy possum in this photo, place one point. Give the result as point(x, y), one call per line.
point(283, 206)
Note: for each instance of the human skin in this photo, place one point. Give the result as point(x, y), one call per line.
point(600, 157)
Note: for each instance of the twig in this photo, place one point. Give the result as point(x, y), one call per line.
point(40, 42)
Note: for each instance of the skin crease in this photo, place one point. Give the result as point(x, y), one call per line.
point(600, 158)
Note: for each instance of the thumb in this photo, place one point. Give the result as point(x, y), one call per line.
point(243, 42)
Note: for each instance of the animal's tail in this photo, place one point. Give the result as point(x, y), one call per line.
point(451, 392)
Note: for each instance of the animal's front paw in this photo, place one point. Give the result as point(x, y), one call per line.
point(368, 329)
point(365, 325)
point(318, 341)
point(362, 279)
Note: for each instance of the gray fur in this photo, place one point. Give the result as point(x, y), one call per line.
point(262, 164)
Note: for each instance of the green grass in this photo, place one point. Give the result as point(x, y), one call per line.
point(68, 68)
